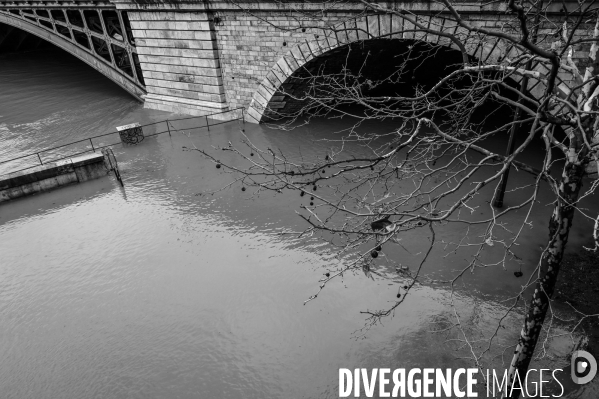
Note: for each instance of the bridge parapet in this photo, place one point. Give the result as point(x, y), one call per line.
point(56, 4)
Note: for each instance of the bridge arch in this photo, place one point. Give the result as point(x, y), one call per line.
point(99, 38)
point(270, 94)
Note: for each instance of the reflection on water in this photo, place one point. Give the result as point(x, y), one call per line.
point(163, 290)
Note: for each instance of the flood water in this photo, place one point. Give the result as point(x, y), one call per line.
point(161, 290)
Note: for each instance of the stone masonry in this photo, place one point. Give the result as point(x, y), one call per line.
point(178, 56)
point(203, 56)
point(200, 57)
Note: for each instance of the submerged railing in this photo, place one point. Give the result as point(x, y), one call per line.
point(97, 143)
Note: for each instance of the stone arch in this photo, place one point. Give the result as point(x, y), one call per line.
point(379, 26)
point(73, 39)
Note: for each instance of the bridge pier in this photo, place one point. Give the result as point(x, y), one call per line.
point(178, 55)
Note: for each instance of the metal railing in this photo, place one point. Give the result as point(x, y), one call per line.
point(152, 129)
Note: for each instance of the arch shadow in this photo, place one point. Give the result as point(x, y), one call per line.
point(267, 97)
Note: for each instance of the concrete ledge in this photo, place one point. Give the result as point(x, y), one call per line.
point(52, 175)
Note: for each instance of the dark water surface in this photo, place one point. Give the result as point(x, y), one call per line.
point(159, 290)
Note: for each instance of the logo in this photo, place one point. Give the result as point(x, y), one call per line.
point(583, 367)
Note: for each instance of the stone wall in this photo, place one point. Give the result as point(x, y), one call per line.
point(249, 47)
point(178, 56)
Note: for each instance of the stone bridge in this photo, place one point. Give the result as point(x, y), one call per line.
point(201, 57)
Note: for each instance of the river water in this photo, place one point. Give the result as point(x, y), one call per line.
point(160, 290)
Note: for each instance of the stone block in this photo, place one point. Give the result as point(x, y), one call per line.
point(259, 99)
point(305, 50)
point(408, 29)
point(276, 105)
point(373, 26)
point(177, 52)
point(14, 192)
point(186, 94)
point(397, 26)
point(48, 184)
point(282, 64)
point(291, 62)
point(253, 115)
point(489, 51)
point(385, 25)
point(280, 75)
point(264, 93)
point(65, 179)
point(168, 60)
point(362, 30)
point(351, 31)
point(298, 56)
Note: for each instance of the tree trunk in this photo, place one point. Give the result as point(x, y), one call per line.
point(559, 228)
point(592, 167)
